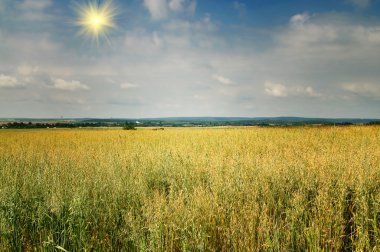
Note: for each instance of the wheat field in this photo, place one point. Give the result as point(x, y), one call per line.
point(191, 189)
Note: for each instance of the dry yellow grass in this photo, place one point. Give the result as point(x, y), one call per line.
point(243, 189)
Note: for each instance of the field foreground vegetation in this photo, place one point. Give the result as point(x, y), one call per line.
point(194, 189)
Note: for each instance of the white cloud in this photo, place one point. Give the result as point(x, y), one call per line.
point(128, 86)
point(280, 90)
point(366, 35)
point(29, 74)
point(314, 40)
point(69, 85)
point(363, 89)
point(331, 32)
point(158, 9)
point(304, 91)
point(27, 70)
point(360, 3)
point(299, 19)
point(176, 5)
point(183, 5)
point(303, 33)
point(324, 49)
point(223, 80)
point(275, 89)
point(7, 81)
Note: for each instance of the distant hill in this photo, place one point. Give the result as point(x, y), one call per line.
point(247, 120)
point(193, 121)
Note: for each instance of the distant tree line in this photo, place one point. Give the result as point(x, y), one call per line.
point(30, 125)
point(131, 125)
point(374, 123)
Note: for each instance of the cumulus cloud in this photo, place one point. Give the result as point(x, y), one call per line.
point(160, 9)
point(305, 91)
point(22, 76)
point(325, 32)
point(176, 5)
point(223, 80)
point(29, 74)
point(27, 70)
point(325, 42)
point(275, 89)
point(127, 86)
point(7, 81)
point(303, 33)
point(69, 85)
point(366, 35)
point(299, 19)
point(363, 89)
point(279, 90)
point(183, 5)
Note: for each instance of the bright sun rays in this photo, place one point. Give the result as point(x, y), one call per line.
point(95, 18)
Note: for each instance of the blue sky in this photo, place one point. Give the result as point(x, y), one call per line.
point(192, 58)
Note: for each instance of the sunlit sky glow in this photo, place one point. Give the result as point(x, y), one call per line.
point(160, 58)
point(95, 18)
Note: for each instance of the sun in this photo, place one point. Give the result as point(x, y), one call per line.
point(95, 19)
